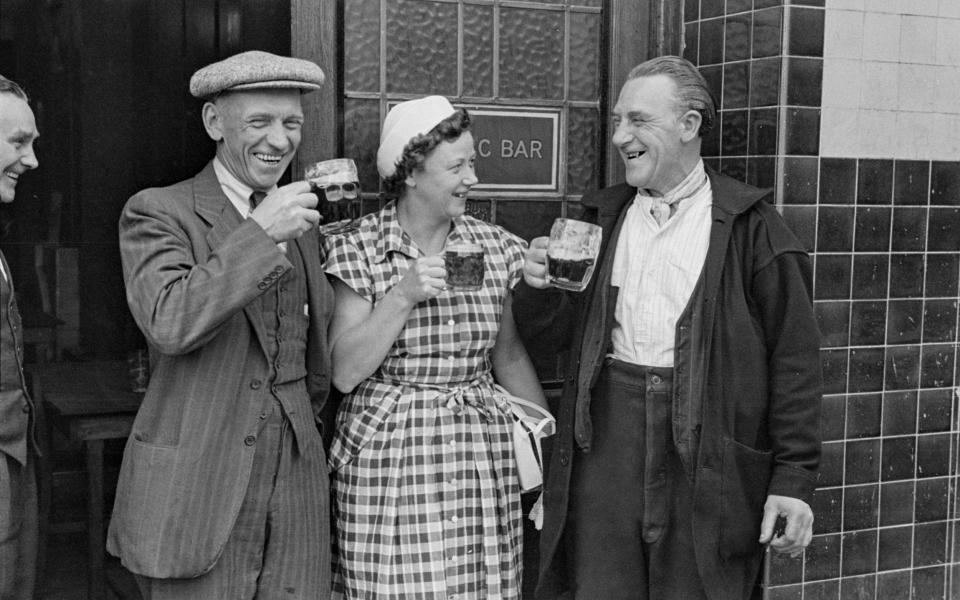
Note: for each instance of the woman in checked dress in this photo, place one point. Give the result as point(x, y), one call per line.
point(426, 497)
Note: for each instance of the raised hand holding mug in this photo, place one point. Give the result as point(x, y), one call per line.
point(572, 252)
point(337, 186)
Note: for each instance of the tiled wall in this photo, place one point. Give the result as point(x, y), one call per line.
point(864, 155)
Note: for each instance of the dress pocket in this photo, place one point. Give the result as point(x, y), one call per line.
point(743, 492)
point(355, 430)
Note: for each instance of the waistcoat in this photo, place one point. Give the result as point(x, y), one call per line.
point(15, 405)
point(282, 308)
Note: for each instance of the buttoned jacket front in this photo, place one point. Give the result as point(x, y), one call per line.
point(192, 267)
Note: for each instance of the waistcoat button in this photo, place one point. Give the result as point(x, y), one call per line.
point(250, 440)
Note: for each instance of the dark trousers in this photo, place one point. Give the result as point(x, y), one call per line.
point(629, 527)
point(19, 528)
point(280, 544)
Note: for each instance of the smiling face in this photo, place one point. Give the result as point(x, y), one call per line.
point(446, 178)
point(656, 139)
point(257, 133)
point(18, 131)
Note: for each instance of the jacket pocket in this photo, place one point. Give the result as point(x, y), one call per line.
point(743, 492)
point(144, 495)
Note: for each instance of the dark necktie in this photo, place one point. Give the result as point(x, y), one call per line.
point(255, 199)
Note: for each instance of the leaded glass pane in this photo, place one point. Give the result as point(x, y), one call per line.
point(531, 53)
point(582, 150)
point(528, 219)
point(421, 47)
point(477, 50)
point(361, 65)
point(596, 3)
point(361, 137)
point(584, 61)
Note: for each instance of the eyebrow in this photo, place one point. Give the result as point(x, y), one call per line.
point(631, 114)
point(21, 133)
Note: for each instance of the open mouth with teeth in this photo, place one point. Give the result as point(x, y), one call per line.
point(632, 155)
point(461, 195)
point(271, 159)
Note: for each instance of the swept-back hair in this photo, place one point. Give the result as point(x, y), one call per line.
point(8, 86)
point(693, 93)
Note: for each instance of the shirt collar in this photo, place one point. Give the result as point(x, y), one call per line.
point(237, 192)
point(392, 237)
point(690, 185)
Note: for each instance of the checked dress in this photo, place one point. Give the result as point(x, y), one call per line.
point(426, 496)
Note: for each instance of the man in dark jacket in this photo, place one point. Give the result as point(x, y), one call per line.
point(688, 425)
point(18, 449)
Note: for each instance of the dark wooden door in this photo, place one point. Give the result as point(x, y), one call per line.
point(109, 84)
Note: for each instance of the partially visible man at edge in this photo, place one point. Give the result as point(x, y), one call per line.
point(18, 448)
point(689, 419)
point(223, 490)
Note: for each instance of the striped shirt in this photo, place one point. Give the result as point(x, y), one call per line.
point(656, 269)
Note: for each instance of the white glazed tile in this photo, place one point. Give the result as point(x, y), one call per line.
point(916, 84)
point(943, 142)
point(843, 34)
point(926, 8)
point(881, 37)
point(878, 88)
point(839, 132)
point(912, 136)
point(945, 90)
point(918, 40)
point(950, 8)
point(878, 133)
point(842, 80)
point(844, 5)
point(948, 41)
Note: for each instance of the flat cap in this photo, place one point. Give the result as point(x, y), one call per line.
point(255, 70)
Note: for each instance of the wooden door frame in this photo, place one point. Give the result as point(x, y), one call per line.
point(635, 30)
point(314, 35)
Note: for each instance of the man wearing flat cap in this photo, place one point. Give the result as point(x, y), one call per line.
point(223, 491)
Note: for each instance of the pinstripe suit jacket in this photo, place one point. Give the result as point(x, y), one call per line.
point(192, 267)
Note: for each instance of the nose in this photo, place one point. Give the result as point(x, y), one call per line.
point(470, 178)
point(278, 137)
point(29, 158)
point(619, 136)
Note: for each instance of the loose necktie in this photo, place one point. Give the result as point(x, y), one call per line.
point(661, 210)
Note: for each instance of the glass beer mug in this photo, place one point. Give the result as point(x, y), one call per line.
point(337, 186)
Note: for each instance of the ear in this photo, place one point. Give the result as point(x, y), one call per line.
point(410, 181)
point(690, 125)
point(213, 120)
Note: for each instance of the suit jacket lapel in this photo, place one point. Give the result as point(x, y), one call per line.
point(213, 206)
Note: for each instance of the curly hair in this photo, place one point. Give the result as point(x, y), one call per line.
point(417, 149)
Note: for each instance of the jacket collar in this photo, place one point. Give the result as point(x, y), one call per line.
point(730, 197)
point(208, 197)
